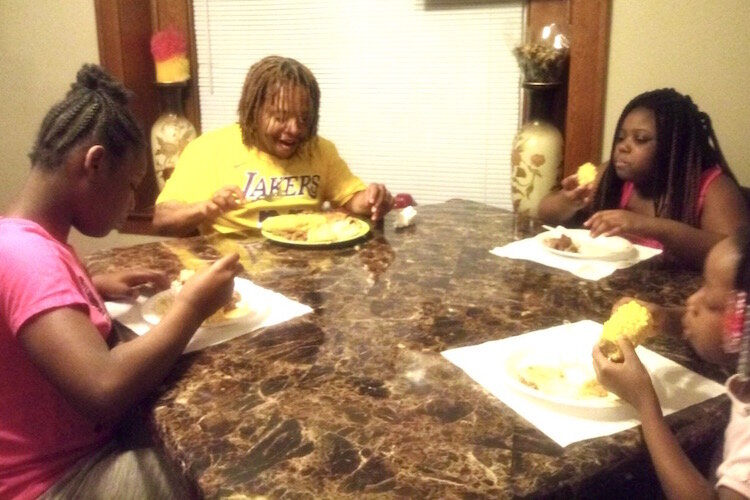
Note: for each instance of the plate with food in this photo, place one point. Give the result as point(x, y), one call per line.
point(578, 244)
point(562, 371)
point(562, 375)
point(243, 308)
point(318, 229)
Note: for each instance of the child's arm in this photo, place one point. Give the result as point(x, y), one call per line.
point(688, 244)
point(127, 284)
point(375, 201)
point(174, 218)
point(678, 476)
point(103, 383)
point(724, 211)
point(559, 207)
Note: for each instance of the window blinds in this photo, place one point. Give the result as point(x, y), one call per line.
point(421, 95)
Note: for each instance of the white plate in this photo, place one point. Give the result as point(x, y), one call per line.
point(601, 247)
point(252, 311)
point(574, 361)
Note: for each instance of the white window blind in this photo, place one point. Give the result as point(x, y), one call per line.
point(421, 95)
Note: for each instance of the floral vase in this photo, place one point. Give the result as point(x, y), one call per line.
point(171, 132)
point(537, 154)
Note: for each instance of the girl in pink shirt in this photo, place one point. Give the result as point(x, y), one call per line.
point(666, 183)
point(714, 323)
point(62, 386)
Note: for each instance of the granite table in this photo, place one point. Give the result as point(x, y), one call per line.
point(354, 400)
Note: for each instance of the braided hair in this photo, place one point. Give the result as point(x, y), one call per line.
point(686, 146)
point(95, 108)
point(264, 78)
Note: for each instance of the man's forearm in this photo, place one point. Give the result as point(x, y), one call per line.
point(178, 219)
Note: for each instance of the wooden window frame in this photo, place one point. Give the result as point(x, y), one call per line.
point(124, 29)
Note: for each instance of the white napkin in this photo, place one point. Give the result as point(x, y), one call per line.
point(590, 269)
point(487, 363)
point(273, 308)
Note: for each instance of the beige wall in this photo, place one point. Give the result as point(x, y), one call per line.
point(43, 43)
point(699, 47)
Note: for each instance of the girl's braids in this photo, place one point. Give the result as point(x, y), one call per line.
point(265, 77)
point(94, 108)
point(686, 146)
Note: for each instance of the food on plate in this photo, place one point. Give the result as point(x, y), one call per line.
point(185, 274)
point(563, 243)
point(571, 382)
point(632, 321)
point(326, 227)
point(233, 309)
point(586, 173)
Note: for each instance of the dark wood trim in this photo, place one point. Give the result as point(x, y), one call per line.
point(580, 108)
point(178, 14)
point(587, 85)
point(124, 29)
point(124, 52)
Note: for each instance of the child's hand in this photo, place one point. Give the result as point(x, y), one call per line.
point(578, 196)
point(225, 199)
point(211, 288)
point(127, 284)
point(379, 200)
point(629, 379)
point(614, 222)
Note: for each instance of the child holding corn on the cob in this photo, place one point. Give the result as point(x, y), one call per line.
point(714, 324)
point(666, 184)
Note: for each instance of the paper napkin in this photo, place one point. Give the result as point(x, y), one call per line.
point(488, 364)
point(272, 308)
point(590, 269)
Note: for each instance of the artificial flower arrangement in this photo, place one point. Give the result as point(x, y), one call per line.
point(544, 60)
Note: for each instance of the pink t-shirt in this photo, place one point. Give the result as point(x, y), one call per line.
point(41, 435)
point(734, 471)
point(707, 178)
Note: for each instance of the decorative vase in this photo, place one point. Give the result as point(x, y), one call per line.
point(537, 154)
point(171, 132)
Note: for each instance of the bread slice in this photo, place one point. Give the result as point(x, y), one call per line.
point(586, 173)
point(632, 321)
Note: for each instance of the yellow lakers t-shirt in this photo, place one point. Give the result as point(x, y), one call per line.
point(272, 186)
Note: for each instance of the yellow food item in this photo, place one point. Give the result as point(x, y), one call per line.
point(325, 227)
point(586, 173)
point(561, 381)
point(632, 321)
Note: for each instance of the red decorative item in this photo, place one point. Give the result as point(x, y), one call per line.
point(402, 200)
point(167, 44)
point(734, 321)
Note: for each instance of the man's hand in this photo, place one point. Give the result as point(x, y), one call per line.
point(375, 201)
point(224, 200)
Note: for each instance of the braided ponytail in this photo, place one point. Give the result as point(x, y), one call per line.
point(94, 108)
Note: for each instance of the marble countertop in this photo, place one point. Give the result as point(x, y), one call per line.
point(355, 398)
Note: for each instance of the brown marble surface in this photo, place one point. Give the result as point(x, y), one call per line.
point(355, 398)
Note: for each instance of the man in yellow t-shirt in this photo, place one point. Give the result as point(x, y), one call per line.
point(271, 162)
